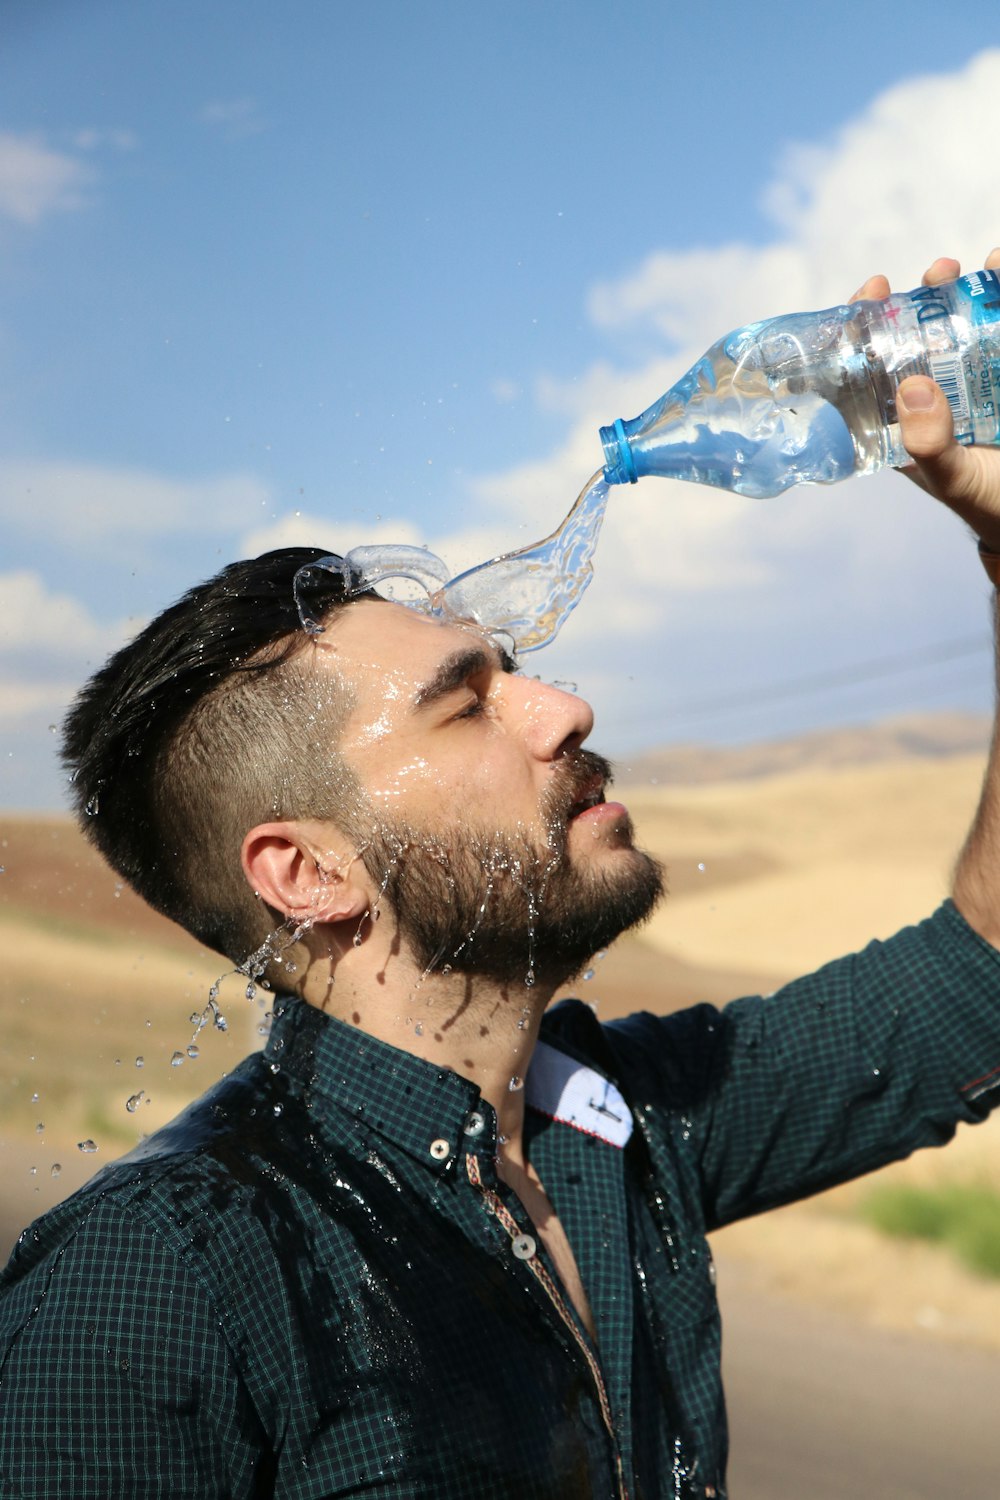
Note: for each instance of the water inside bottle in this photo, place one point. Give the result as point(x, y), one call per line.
point(527, 595)
point(733, 423)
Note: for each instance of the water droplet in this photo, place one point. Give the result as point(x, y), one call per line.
point(419, 1028)
point(86, 1146)
point(192, 1051)
point(35, 1098)
point(56, 1168)
point(132, 1104)
point(516, 1084)
point(251, 990)
point(177, 1059)
point(39, 1128)
point(588, 973)
point(93, 806)
point(278, 1108)
point(701, 868)
point(140, 1062)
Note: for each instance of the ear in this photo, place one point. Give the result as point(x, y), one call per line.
point(306, 870)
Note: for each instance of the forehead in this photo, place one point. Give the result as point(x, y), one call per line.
point(391, 651)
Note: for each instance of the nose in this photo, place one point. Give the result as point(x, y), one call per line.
point(551, 720)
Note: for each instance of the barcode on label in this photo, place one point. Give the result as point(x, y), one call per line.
point(947, 371)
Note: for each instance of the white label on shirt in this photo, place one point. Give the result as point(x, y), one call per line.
point(565, 1090)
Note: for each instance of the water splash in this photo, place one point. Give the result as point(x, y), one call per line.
point(527, 595)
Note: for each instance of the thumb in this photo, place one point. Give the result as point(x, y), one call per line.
point(928, 434)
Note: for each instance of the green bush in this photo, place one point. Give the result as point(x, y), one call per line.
point(963, 1216)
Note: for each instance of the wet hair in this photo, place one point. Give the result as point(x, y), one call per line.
point(209, 722)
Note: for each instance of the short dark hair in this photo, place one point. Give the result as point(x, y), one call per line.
point(204, 725)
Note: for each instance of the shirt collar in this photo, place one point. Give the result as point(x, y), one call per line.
point(431, 1113)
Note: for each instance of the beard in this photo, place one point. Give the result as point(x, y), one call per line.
point(504, 906)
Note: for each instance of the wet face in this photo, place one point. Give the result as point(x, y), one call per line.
point(482, 820)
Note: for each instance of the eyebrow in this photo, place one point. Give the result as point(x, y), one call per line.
point(455, 671)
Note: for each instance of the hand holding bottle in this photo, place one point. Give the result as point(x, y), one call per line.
point(965, 478)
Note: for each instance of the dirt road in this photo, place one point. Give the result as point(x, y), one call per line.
point(825, 1408)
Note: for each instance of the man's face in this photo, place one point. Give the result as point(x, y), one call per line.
point(483, 820)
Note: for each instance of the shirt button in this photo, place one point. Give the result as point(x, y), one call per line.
point(523, 1246)
point(475, 1124)
point(440, 1149)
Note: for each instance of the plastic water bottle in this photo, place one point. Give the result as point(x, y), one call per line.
point(811, 398)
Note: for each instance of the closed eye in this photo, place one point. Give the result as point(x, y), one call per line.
point(474, 710)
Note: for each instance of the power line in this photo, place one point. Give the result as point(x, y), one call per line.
point(873, 670)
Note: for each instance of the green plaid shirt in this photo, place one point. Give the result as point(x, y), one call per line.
point(314, 1284)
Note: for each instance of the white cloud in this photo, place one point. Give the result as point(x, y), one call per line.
point(20, 701)
point(505, 392)
point(892, 189)
point(94, 138)
point(95, 508)
point(235, 118)
point(36, 181)
point(301, 530)
point(47, 638)
point(34, 618)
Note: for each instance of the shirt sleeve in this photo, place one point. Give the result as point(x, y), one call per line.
point(835, 1074)
point(115, 1377)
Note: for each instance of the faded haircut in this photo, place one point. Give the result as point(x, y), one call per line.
point(209, 722)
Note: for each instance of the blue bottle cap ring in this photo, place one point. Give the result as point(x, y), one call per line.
point(625, 452)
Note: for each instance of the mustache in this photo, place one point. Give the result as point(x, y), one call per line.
point(576, 774)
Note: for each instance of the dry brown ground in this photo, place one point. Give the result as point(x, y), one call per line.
point(768, 878)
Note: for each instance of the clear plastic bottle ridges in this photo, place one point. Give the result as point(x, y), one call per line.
point(810, 398)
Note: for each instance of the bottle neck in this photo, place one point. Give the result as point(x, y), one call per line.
point(619, 462)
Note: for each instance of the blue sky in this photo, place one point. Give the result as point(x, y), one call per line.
point(325, 272)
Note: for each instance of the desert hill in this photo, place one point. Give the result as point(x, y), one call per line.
point(920, 736)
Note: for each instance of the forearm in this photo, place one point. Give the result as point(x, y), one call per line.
point(976, 884)
point(967, 480)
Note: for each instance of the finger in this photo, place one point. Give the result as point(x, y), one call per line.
point(928, 434)
point(873, 290)
point(943, 269)
point(992, 261)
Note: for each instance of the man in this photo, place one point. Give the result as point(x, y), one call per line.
point(434, 1242)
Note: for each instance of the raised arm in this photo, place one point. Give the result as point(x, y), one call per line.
point(967, 480)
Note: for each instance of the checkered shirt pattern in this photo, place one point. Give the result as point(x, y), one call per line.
point(298, 1289)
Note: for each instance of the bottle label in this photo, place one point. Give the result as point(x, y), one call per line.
point(960, 328)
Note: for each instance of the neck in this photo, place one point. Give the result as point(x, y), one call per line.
point(469, 1024)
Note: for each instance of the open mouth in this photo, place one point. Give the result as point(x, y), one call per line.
point(592, 798)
